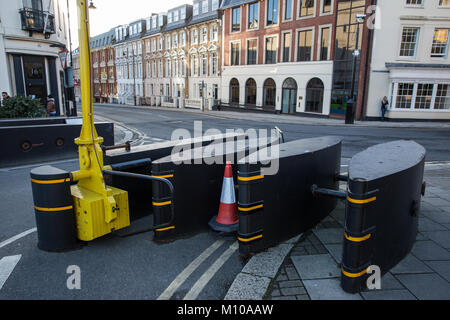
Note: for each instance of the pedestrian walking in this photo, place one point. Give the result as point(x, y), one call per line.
point(51, 107)
point(384, 105)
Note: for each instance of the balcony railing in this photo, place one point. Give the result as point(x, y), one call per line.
point(34, 21)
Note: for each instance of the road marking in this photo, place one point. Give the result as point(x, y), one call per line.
point(179, 280)
point(7, 265)
point(17, 237)
point(207, 276)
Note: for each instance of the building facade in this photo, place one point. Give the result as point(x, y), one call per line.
point(103, 67)
point(205, 54)
point(153, 57)
point(277, 55)
point(410, 60)
point(32, 33)
point(129, 63)
point(175, 43)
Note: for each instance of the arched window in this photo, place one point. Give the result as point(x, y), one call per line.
point(270, 89)
point(234, 90)
point(314, 96)
point(289, 96)
point(250, 91)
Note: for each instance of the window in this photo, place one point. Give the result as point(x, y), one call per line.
point(253, 16)
point(183, 14)
point(195, 36)
point(234, 90)
point(236, 20)
point(326, 6)
point(169, 17)
point(214, 64)
point(176, 16)
point(214, 33)
point(324, 43)
point(286, 47)
point(271, 50)
point(154, 22)
point(252, 51)
point(194, 66)
point(404, 95)
point(153, 45)
point(182, 39)
point(442, 100)
point(204, 64)
point(175, 40)
point(414, 2)
point(250, 91)
point(204, 36)
point(306, 8)
point(409, 42)
point(288, 10)
point(196, 8)
point(235, 59)
point(167, 42)
point(440, 43)
point(304, 49)
point(205, 6)
point(270, 90)
point(215, 4)
point(424, 95)
point(272, 12)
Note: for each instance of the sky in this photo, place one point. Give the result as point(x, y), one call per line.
point(111, 13)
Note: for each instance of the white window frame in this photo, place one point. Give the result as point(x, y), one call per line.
point(321, 27)
point(444, 57)
point(284, 11)
point(266, 6)
point(394, 93)
point(282, 46)
point(246, 50)
point(240, 51)
point(307, 17)
point(276, 50)
point(240, 20)
point(414, 57)
point(246, 18)
point(326, 13)
point(313, 38)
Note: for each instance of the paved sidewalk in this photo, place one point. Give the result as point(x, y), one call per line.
point(311, 269)
point(281, 118)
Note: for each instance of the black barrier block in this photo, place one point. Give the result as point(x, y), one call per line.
point(274, 208)
point(44, 142)
point(55, 220)
point(198, 185)
point(139, 192)
point(384, 194)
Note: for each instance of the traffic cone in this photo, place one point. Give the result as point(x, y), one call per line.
point(227, 218)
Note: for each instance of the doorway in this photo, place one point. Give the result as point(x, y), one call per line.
point(35, 79)
point(289, 96)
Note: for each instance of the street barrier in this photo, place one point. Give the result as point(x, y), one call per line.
point(383, 199)
point(197, 182)
point(55, 220)
point(34, 141)
point(138, 160)
point(274, 208)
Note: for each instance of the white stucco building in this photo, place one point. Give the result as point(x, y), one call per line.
point(32, 32)
point(410, 60)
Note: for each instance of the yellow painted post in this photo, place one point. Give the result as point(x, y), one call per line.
point(97, 205)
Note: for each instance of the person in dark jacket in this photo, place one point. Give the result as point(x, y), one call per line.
point(5, 97)
point(384, 105)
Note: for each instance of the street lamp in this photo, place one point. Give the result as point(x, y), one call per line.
point(91, 5)
point(350, 112)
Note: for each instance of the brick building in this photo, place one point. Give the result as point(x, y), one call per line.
point(103, 70)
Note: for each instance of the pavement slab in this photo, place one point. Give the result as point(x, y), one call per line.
point(410, 264)
point(442, 238)
point(388, 295)
point(429, 250)
point(426, 286)
point(441, 267)
point(316, 266)
point(248, 287)
point(330, 235)
point(328, 289)
point(426, 224)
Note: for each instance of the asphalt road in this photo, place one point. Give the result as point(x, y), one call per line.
point(136, 267)
point(160, 124)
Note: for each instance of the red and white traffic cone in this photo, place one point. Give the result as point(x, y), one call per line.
point(227, 219)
